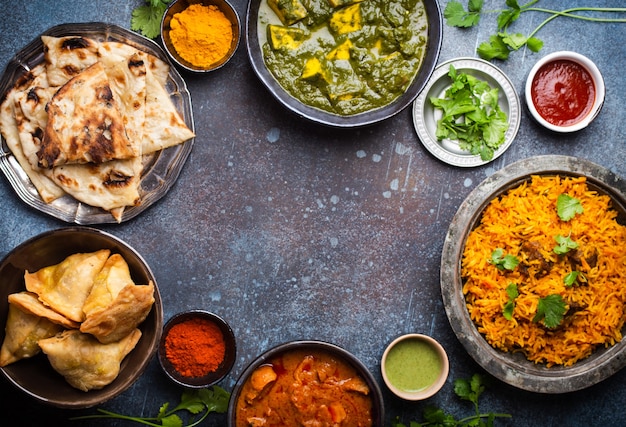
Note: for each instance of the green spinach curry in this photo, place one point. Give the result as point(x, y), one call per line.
point(343, 56)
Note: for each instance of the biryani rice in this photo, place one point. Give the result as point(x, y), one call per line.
point(526, 217)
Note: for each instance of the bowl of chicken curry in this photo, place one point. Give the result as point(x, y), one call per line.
point(80, 317)
point(306, 383)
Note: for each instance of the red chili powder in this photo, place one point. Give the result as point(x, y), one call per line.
point(195, 347)
point(563, 92)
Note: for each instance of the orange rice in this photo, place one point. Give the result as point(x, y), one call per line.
point(526, 216)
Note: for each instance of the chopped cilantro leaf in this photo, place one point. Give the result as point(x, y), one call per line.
point(471, 115)
point(551, 310)
point(567, 207)
point(503, 262)
point(564, 244)
point(512, 292)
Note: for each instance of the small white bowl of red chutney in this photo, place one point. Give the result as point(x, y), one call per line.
point(564, 91)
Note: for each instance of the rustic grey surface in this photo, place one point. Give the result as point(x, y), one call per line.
point(290, 230)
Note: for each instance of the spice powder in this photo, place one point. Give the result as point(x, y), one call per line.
point(195, 347)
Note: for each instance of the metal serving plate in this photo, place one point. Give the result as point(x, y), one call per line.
point(513, 368)
point(160, 170)
point(425, 116)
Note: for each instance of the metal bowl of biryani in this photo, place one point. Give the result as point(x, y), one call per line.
point(533, 256)
point(344, 63)
point(306, 380)
point(64, 361)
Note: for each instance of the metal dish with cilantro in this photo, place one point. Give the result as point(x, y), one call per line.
point(468, 114)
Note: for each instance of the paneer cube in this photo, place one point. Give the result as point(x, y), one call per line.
point(314, 71)
point(342, 51)
point(346, 20)
point(340, 3)
point(282, 38)
point(289, 11)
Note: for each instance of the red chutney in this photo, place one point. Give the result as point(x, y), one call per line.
point(563, 92)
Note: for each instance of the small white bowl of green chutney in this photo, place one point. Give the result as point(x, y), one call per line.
point(414, 366)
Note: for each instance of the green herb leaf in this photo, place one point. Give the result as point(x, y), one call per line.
point(567, 207)
point(457, 16)
point(503, 262)
point(512, 292)
point(146, 19)
point(564, 244)
point(495, 48)
point(471, 115)
point(551, 310)
point(197, 401)
point(570, 278)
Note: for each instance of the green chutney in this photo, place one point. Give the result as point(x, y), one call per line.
point(412, 365)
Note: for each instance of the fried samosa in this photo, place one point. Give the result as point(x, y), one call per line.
point(84, 362)
point(66, 286)
point(116, 305)
point(29, 303)
point(22, 333)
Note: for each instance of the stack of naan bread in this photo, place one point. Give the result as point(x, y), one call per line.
point(83, 313)
point(80, 122)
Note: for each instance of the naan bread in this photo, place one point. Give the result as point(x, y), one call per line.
point(66, 286)
point(30, 303)
point(164, 127)
point(116, 51)
point(68, 56)
point(116, 305)
point(9, 110)
point(22, 333)
point(85, 124)
point(109, 185)
point(84, 362)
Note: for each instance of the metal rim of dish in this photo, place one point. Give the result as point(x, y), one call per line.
point(34, 376)
point(376, 393)
point(255, 54)
point(160, 172)
point(424, 114)
point(515, 369)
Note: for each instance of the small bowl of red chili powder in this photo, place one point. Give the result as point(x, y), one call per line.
point(197, 348)
point(564, 91)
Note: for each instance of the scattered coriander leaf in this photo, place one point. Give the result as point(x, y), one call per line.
point(512, 292)
point(570, 278)
point(567, 207)
point(550, 310)
point(197, 401)
point(503, 262)
point(457, 16)
point(564, 244)
point(146, 19)
point(495, 48)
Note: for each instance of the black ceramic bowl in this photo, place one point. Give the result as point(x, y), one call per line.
point(435, 34)
point(35, 377)
point(514, 368)
point(378, 408)
point(224, 367)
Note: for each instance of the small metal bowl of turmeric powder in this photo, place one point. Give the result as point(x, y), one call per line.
point(200, 35)
point(197, 349)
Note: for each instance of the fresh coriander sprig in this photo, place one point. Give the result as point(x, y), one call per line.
point(502, 261)
point(466, 389)
point(146, 19)
point(501, 44)
point(201, 401)
point(550, 310)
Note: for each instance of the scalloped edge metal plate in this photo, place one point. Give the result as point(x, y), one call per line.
point(425, 116)
point(513, 368)
point(160, 170)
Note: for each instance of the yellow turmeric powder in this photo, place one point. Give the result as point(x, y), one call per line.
point(202, 35)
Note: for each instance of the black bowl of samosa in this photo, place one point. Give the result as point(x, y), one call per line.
point(80, 317)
